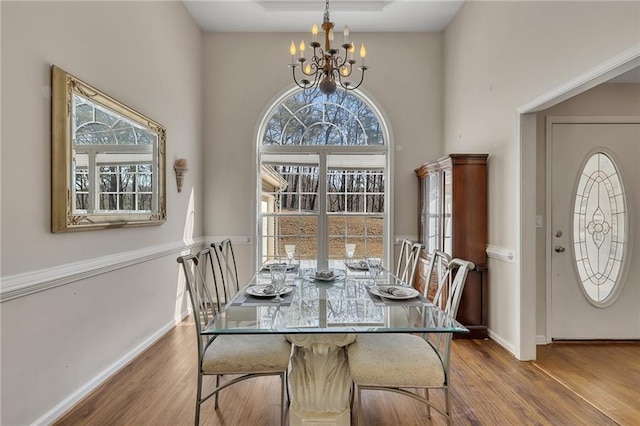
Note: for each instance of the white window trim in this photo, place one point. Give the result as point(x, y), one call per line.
point(390, 161)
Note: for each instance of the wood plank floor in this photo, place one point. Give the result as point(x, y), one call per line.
point(604, 374)
point(490, 387)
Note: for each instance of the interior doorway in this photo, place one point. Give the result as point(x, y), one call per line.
point(530, 264)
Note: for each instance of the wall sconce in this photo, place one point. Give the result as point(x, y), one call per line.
point(180, 166)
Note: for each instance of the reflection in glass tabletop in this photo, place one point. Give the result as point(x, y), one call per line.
point(341, 306)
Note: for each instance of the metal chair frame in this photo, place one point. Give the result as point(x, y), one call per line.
point(408, 261)
point(205, 310)
point(228, 269)
point(453, 281)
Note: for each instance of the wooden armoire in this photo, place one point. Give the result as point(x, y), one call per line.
point(452, 217)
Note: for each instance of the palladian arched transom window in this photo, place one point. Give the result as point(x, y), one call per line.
point(323, 177)
point(599, 228)
point(311, 118)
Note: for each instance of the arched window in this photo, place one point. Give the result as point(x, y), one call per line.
point(324, 178)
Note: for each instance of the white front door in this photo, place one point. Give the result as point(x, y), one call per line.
point(595, 247)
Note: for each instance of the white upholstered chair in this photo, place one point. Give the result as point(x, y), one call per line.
point(408, 260)
point(398, 362)
point(247, 356)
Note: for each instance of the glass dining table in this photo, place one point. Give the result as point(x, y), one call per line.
point(320, 317)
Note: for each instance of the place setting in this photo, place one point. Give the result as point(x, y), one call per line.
point(277, 292)
point(290, 250)
point(324, 276)
point(354, 265)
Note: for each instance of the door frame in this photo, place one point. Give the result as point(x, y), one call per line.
point(524, 174)
point(551, 120)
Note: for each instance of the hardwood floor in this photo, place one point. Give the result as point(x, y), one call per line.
point(490, 387)
point(605, 375)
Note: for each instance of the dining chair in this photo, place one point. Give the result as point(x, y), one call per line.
point(226, 260)
point(438, 278)
point(408, 260)
point(398, 362)
point(244, 356)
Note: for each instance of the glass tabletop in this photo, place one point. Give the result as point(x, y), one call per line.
point(347, 304)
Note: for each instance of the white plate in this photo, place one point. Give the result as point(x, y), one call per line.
point(258, 290)
point(337, 276)
point(401, 292)
point(358, 266)
point(265, 268)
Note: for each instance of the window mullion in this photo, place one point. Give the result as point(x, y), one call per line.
point(323, 262)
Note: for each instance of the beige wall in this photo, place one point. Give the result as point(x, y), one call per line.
point(244, 72)
point(614, 99)
point(147, 55)
point(499, 56)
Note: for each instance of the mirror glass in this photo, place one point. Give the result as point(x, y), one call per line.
point(108, 164)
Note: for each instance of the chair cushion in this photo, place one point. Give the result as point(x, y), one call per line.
point(394, 360)
point(246, 354)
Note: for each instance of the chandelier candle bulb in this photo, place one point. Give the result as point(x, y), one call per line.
point(331, 64)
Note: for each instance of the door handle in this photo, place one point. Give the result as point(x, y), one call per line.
point(559, 249)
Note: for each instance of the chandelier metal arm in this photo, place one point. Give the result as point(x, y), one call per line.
point(347, 85)
point(327, 65)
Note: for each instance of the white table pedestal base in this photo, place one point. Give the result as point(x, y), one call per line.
point(320, 380)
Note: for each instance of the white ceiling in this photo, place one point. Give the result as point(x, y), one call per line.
point(299, 15)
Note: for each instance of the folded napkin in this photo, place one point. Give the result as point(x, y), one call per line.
point(324, 274)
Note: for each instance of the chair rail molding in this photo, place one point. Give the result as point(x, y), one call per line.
point(501, 253)
point(398, 238)
point(236, 240)
point(24, 284)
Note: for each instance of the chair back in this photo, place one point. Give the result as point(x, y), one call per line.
point(448, 298)
point(408, 260)
point(226, 261)
point(437, 273)
point(455, 281)
point(198, 270)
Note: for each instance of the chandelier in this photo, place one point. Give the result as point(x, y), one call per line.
point(327, 68)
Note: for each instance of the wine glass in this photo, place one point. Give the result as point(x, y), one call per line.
point(375, 267)
point(290, 250)
point(350, 250)
point(278, 276)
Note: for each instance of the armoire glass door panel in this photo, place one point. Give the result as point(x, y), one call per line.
point(447, 209)
point(432, 239)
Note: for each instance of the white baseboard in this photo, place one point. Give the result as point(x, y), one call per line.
point(541, 339)
point(502, 342)
point(60, 409)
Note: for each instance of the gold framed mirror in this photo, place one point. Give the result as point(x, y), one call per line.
point(107, 160)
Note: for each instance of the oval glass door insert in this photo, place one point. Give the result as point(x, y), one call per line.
point(599, 228)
